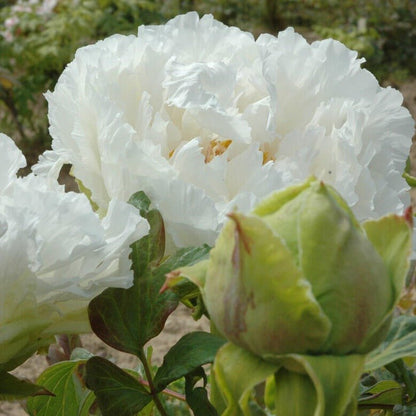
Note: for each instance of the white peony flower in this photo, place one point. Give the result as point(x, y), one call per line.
point(205, 119)
point(55, 256)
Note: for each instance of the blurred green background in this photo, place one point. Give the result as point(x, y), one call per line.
point(38, 38)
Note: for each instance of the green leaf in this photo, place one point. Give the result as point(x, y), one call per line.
point(65, 380)
point(86, 403)
point(117, 392)
point(12, 388)
point(189, 353)
point(197, 397)
point(400, 342)
point(150, 249)
point(148, 410)
point(127, 319)
point(199, 403)
point(235, 373)
point(386, 392)
point(405, 375)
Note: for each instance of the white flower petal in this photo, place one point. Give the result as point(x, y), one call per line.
point(11, 160)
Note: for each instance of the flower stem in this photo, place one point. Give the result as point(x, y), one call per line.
point(153, 392)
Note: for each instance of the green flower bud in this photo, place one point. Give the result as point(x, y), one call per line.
point(301, 275)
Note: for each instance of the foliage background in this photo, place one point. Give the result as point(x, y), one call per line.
point(38, 38)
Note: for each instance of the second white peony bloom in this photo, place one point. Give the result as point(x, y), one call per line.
point(56, 254)
point(206, 119)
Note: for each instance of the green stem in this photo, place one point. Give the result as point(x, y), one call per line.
point(153, 391)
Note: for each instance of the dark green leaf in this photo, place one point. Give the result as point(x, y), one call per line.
point(117, 392)
point(197, 397)
point(127, 319)
point(65, 380)
point(199, 403)
point(12, 388)
point(188, 354)
point(150, 249)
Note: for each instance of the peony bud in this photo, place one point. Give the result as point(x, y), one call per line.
point(301, 275)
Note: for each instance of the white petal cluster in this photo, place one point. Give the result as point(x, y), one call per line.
point(204, 119)
point(55, 255)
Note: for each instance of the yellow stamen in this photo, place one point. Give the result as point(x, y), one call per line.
point(216, 148)
point(267, 157)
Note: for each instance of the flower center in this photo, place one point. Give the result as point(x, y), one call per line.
point(267, 157)
point(216, 148)
point(269, 152)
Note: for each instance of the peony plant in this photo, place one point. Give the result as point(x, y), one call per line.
point(302, 288)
